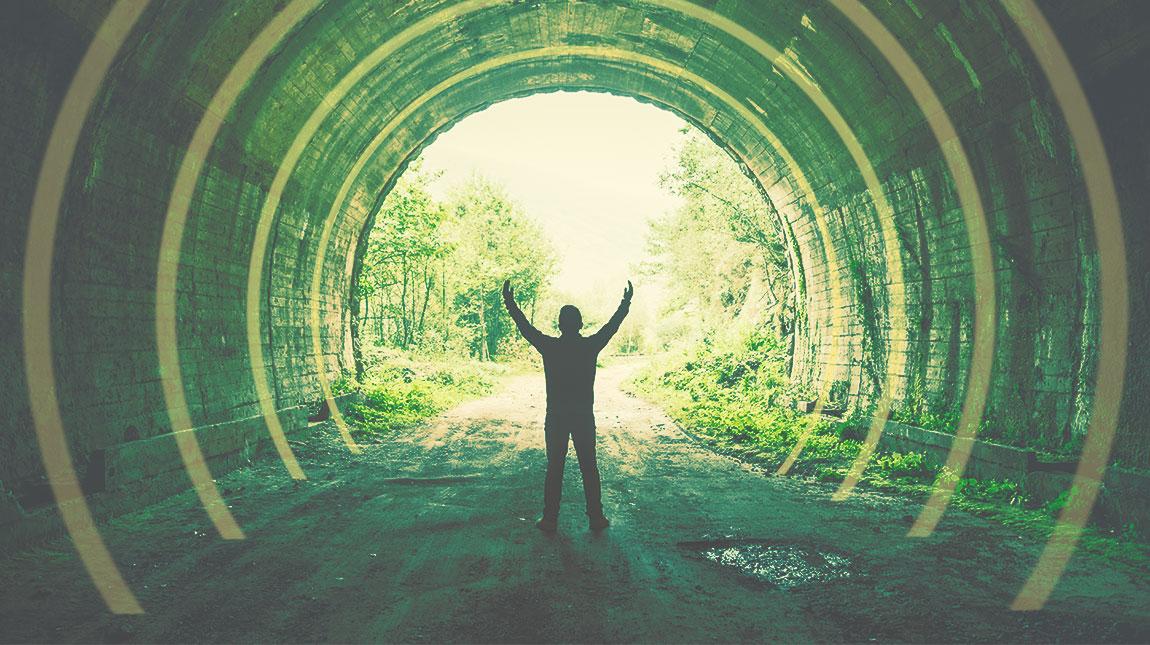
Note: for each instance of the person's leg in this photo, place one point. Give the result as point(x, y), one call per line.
point(556, 437)
point(584, 440)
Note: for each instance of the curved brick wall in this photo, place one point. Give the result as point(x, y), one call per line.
point(1045, 264)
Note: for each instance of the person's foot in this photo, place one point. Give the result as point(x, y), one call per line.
point(598, 523)
point(547, 524)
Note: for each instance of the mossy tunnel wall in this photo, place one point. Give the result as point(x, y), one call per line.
point(297, 116)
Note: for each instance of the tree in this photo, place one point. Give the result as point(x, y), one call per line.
point(399, 273)
point(492, 240)
point(432, 271)
point(723, 251)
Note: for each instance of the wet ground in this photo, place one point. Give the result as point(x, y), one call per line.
point(429, 536)
point(781, 565)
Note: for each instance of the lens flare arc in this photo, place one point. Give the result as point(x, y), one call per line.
point(168, 267)
point(974, 216)
point(885, 216)
point(1114, 318)
point(36, 318)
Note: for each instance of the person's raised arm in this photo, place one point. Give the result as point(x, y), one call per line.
point(608, 330)
point(533, 335)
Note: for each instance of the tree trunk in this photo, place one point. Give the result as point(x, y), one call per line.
point(406, 328)
point(482, 332)
point(428, 282)
point(443, 303)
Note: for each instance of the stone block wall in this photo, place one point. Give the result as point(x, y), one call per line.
point(855, 341)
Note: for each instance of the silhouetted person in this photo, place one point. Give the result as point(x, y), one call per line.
point(569, 365)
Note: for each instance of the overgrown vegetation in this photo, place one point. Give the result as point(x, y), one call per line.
point(432, 273)
point(402, 389)
point(733, 394)
point(723, 253)
point(725, 376)
point(430, 319)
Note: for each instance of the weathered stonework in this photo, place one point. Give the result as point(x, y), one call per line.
point(107, 247)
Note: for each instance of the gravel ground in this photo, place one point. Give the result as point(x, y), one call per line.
point(428, 536)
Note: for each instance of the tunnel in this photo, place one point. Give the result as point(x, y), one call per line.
point(962, 189)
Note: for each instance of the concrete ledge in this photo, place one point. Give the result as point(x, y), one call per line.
point(1122, 499)
point(808, 405)
point(805, 405)
point(145, 458)
point(145, 471)
point(987, 460)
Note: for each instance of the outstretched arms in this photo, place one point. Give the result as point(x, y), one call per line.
point(533, 335)
point(608, 330)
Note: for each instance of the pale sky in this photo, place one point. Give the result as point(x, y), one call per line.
point(584, 165)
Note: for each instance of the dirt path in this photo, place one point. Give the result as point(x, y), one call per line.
point(428, 536)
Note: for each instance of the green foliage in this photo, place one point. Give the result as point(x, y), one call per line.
point(493, 240)
point(1070, 497)
point(388, 404)
point(433, 271)
point(990, 490)
point(915, 410)
point(723, 252)
point(899, 465)
point(401, 389)
point(404, 263)
point(344, 384)
point(733, 397)
point(733, 393)
point(852, 428)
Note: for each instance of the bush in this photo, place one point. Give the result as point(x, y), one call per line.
point(400, 391)
point(344, 384)
point(730, 393)
point(851, 430)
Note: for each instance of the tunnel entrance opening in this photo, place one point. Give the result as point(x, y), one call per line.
point(197, 183)
point(569, 195)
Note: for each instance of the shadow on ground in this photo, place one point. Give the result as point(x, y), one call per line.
point(428, 536)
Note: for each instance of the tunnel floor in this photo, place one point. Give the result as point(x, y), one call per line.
point(428, 536)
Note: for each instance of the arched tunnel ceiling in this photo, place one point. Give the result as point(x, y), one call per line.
point(210, 318)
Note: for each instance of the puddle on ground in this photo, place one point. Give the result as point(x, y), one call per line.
point(782, 565)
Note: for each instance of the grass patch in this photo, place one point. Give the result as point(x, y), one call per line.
point(734, 397)
point(400, 390)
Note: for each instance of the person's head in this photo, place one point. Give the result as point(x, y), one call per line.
point(570, 320)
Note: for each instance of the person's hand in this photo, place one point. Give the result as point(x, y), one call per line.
point(628, 292)
point(508, 292)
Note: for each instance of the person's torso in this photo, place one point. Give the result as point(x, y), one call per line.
point(569, 365)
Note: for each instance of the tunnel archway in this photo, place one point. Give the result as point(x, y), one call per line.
point(328, 103)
